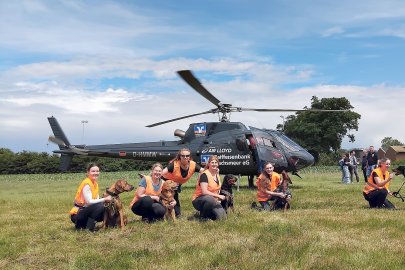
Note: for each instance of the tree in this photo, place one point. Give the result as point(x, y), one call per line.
point(389, 141)
point(322, 131)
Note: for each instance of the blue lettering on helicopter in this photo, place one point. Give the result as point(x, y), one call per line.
point(204, 159)
point(200, 129)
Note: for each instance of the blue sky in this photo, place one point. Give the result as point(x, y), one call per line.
point(114, 63)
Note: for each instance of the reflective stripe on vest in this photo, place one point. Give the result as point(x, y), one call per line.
point(149, 190)
point(213, 186)
point(79, 199)
point(176, 174)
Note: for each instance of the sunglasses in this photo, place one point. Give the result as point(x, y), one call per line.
point(184, 156)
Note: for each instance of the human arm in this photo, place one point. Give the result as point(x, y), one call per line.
point(205, 191)
point(277, 194)
point(88, 196)
point(140, 192)
point(167, 170)
point(381, 183)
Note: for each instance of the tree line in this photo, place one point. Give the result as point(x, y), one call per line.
point(26, 162)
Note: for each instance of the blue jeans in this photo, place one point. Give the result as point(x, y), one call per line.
point(369, 170)
point(345, 175)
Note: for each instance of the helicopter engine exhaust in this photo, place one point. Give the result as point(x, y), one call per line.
point(179, 133)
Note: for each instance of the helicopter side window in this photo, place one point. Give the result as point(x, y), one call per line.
point(241, 145)
point(266, 142)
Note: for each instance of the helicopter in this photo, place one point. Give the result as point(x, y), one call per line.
point(241, 150)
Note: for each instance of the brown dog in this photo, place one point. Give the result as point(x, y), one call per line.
point(114, 213)
point(283, 203)
point(167, 197)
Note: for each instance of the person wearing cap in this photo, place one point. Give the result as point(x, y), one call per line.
point(376, 188)
point(180, 170)
point(88, 206)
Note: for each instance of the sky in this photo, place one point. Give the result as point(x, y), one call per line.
point(106, 69)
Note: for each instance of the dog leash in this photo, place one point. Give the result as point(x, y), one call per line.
point(398, 195)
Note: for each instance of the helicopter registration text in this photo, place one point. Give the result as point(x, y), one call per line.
point(144, 154)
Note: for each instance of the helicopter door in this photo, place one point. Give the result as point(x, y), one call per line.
point(266, 150)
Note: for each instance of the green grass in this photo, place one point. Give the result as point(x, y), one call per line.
point(328, 227)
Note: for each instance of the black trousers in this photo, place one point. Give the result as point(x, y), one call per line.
point(378, 199)
point(146, 207)
point(87, 217)
point(209, 207)
point(177, 209)
point(364, 173)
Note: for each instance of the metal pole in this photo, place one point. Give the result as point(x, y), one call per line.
point(83, 122)
point(282, 116)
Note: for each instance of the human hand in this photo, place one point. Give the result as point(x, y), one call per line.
point(108, 198)
point(171, 205)
point(221, 197)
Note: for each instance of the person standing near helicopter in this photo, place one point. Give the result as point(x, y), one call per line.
point(180, 170)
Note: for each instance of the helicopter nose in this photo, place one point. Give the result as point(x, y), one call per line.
point(301, 160)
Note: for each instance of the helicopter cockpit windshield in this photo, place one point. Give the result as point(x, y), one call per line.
point(297, 156)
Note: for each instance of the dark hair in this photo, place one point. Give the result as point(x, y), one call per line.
point(91, 165)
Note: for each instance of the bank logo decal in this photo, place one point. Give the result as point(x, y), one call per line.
point(200, 129)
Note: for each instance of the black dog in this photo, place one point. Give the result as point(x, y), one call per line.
point(400, 170)
point(226, 190)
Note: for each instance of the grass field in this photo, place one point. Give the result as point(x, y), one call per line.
point(328, 227)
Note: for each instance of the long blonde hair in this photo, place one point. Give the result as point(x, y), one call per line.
point(207, 165)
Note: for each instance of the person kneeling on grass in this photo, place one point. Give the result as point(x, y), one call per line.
point(146, 202)
point(267, 184)
point(206, 198)
point(88, 207)
point(376, 188)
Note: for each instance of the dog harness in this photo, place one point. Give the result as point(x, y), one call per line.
point(370, 184)
point(176, 174)
point(262, 196)
point(213, 186)
point(79, 200)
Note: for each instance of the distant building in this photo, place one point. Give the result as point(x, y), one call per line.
point(381, 153)
point(358, 152)
point(395, 152)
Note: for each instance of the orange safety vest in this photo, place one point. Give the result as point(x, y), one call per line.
point(213, 186)
point(148, 190)
point(371, 185)
point(79, 199)
point(262, 196)
point(176, 174)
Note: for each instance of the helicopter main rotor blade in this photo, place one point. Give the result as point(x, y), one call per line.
point(291, 110)
point(179, 118)
point(191, 80)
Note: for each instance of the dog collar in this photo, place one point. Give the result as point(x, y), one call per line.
point(111, 193)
